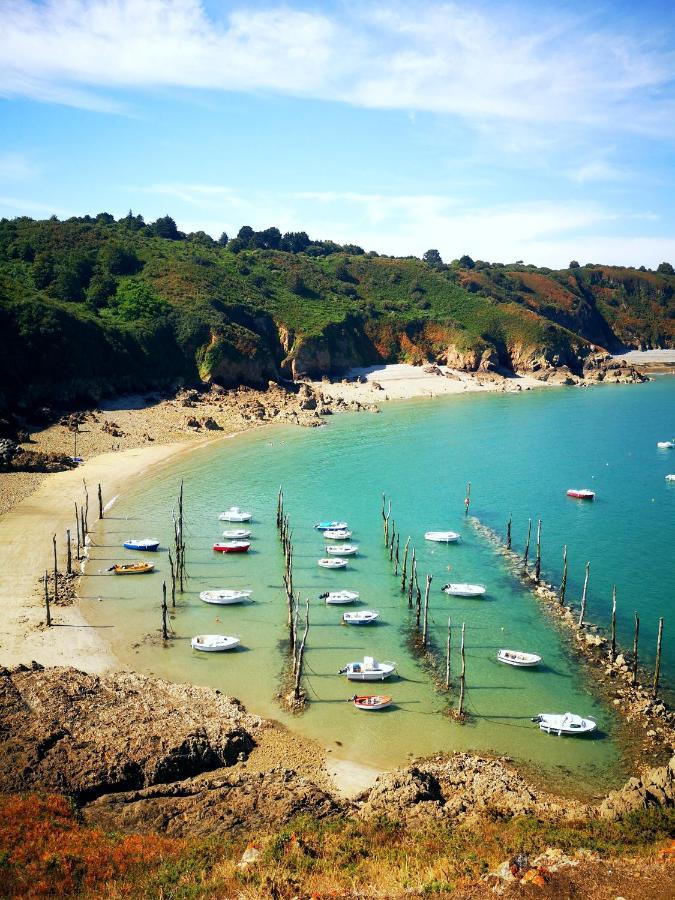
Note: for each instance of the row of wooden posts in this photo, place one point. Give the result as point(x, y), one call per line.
point(177, 565)
point(296, 645)
point(410, 585)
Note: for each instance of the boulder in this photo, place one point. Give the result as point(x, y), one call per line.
point(655, 787)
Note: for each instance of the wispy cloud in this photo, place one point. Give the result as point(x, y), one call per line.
point(597, 170)
point(16, 167)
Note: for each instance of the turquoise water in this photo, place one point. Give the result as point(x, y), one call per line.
point(520, 452)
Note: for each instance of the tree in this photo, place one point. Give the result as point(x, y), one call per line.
point(72, 275)
point(43, 270)
point(105, 218)
point(165, 227)
point(574, 265)
point(134, 300)
point(665, 268)
point(119, 260)
point(295, 241)
point(132, 222)
point(245, 235)
point(433, 259)
point(223, 239)
point(466, 262)
point(236, 245)
point(353, 249)
point(269, 239)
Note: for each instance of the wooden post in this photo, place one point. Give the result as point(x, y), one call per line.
point(462, 677)
point(412, 579)
point(613, 646)
point(398, 541)
point(49, 615)
point(385, 524)
point(404, 570)
point(56, 574)
point(69, 551)
point(527, 544)
point(86, 511)
point(173, 580)
point(636, 635)
point(657, 667)
point(563, 583)
point(467, 499)
point(447, 658)
point(537, 562)
point(100, 502)
point(418, 596)
point(426, 611)
point(83, 528)
point(508, 533)
point(301, 654)
point(391, 540)
point(181, 571)
point(165, 630)
point(77, 526)
point(583, 596)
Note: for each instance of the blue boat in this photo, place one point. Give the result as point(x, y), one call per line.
point(145, 544)
point(331, 526)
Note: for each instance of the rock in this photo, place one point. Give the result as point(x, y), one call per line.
point(249, 858)
point(655, 787)
point(376, 386)
point(192, 423)
point(211, 425)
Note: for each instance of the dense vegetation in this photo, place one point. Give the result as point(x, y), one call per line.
point(91, 306)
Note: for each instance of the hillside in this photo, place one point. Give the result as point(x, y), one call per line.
point(90, 307)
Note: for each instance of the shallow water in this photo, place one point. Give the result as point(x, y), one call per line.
point(520, 452)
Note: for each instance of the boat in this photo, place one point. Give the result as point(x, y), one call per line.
point(232, 546)
point(235, 514)
point(339, 598)
point(371, 702)
point(214, 643)
point(670, 477)
point(332, 563)
point(462, 589)
point(665, 445)
point(342, 549)
point(518, 658)
point(138, 568)
point(143, 544)
point(237, 534)
point(225, 596)
point(360, 617)
point(368, 670)
point(581, 494)
point(442, 537)
point(337, 534)
point(331, 526)
point(564, 723)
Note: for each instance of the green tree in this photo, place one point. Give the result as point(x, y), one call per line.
point(165, 227)
point(246, 235)
point(574, 265)
point(223, 239)
point(295, 241)
point(119, 260)
point(433, 259)
point(466, 262)
point(134, 300)
point(665, 268)
point(43, 270)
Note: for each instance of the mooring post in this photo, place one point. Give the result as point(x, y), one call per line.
point(426, 611)
point(657, 667)
point(69, 553)
point(583, 596)
point(563, 582)
point(462, 677)
point(467, 499)
point(56, 573)
point(447, 657)
point(636, 635)
point(404, 570)
point(86, 511)
point(165, 630)
point(301, 654)
point(49, 615)
point(384, 519)
point(391, 540)
point(173, 580)
point(613, 645)
point(527, 545)
point(77, 526)
point(537, 562)
point(398, 540)
point(412, 578)
point(508, 533)
point(100, 502)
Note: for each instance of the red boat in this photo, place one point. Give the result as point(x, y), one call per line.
point(371, 702)
point(581, 494)
point(232, 546)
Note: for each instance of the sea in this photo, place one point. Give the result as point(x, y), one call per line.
point(520, 453)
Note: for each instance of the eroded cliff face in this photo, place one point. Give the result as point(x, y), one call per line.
point(339, 348)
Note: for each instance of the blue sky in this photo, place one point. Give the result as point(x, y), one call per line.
point(504, 130)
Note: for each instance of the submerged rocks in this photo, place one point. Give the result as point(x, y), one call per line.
point(654, 788)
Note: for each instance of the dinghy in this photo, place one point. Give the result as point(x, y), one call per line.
point(232, 546)
point(670, 477)
point(235, 514)
point(225, 596)
point(581, 494)
point(237, 534)
point(518, 658)
point(214, 643)
point(368, 670)
point(342, 549)
point(665, 445)
point(142, 544)
point(139, 568)
point(332, 563)
point(337, 534)
point(442, 537)
point(460, 589)
point(362, 617)
point(331, 526)
point(564, 723)
point(339, 598)
point(371, 702)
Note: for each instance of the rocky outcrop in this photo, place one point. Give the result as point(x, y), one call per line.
point(654, 788)
point(15, 459)
point(603, 367)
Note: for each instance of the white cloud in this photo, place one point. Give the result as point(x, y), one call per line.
point(597, 170)
point(16, 167)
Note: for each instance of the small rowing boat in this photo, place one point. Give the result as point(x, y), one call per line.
point(332, 563)
point(235, 514)
point(232, 546)
point(214, 643)
point(331, 526)
point(368, 670)
point(518, 658)
point(342, 549)
point(225, 596)
point(339, 598)
point(360, 617)
point(371, 702)
point(237, 534)
point(581, 494)
point(142, 544)
point(564, 723)
point(139, 568)
point(442, 537)
point(337, 534)
point(460, 589)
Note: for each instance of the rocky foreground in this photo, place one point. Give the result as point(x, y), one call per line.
point(140, 754)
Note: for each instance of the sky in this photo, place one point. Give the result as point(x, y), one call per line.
point(508, 131)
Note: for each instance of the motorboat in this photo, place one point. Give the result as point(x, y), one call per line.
point(368, 670)
point(214, 643)
point(442, 537)
point(342, 549)
point(331, 526)
point(360, 617)
point(232, 546)
point(670, 477)
point(462, 589)
point(332, 563)
point(143, 544)
point(337, 534)
point(371, 702)
point(581, 494)
point(518, 658)
point(237, 534)
point(564, 723)
point(339, 598)
point(235, 514)
point(138, 568)
point(665, 445)
point(225, 596)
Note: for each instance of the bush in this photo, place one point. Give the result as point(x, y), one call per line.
point(134, 300)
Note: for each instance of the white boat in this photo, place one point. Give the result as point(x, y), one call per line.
point(518, 658)
point(442, 537)
point(214, 643)
point(665, 445)
point(360, 617)
point(342, 549)
point(339, 598)
point(581, 493)
point(461, 589)
point(337, 534)
point(331, 526)
point(564, 723)
point(142, 544)
point(332, 563)
point(371, 701)
point(237, 534)
point(670, 477)
point(235, 514)
point(368, 670)
point(225, 596)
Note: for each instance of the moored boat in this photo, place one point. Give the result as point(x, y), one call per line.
point(564, 723)
point(138, 568)
point(371, 702)
point(337, 534)
point(214, 643)
point(232, 546)
point(581, 493)
point(331, 526)
point(442, 537)
point(235, 514)
point(339, 598)
point(360, 617)
point(518, 658)
point(670, 477)
point(463, 589)
point(342, 549)
point(142, 544)
point(237, 534)
point(665, 445)
point(225, 596)
point(368, 670)
point(332, 563)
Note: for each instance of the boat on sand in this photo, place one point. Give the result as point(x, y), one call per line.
point(371, 702)
point(518, 658)
point(214, 643)
point(564, 723)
